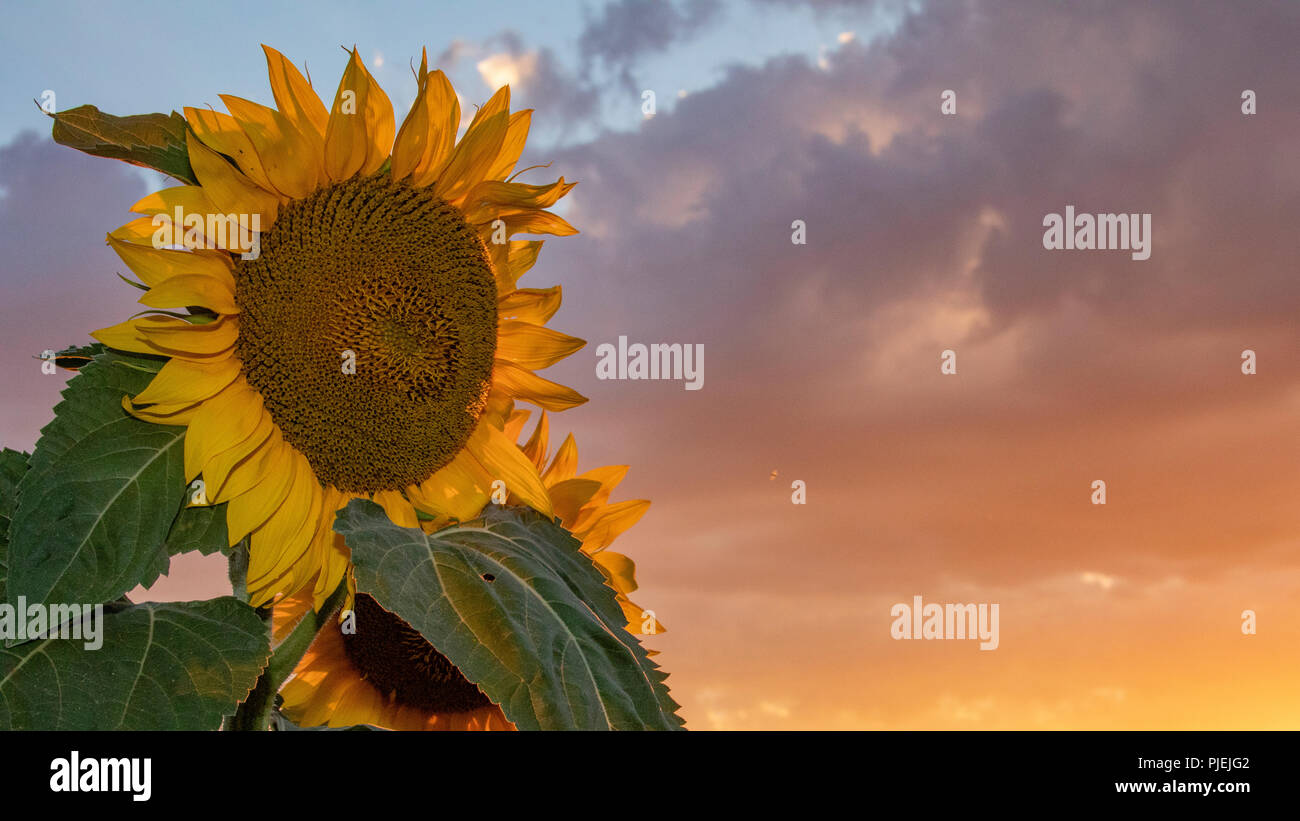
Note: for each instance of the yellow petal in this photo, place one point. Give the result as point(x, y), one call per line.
point(224, 421)
point(640, 622)
point(138, 231)
point(249, 472)
point(513, 144)
point(177, 336)
point(498, 104)
point(331, 553)
point(361, 125)
point(284, 538)
point(192, 289)
point(295, 97)
point(156, 265)
point(503, 460)
point(459, 490)
point(568, 497)
point(537, 222)
point(212, 229)
point(619, 569)
point(514, 425)
point(565, 464)
point(538, 443)
point(168, 336)
point(609, 477)
point(397, 508)
point(249, 510)
point(492, 198)
point(472, 158)
point(162, 414)
point(182, 381)
point(222, 133)
point(526, 385)
point(229, 189)
point(443, 121)
point(610, 523)
point(293, 162)
point(533, 305)
point(427, 134)
point(216, 473)
point(534, 346)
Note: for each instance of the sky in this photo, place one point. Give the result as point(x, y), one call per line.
point(924, 234)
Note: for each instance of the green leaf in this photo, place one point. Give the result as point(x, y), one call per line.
point(201, 528)
point(95, 508)
point(516, 605)
point(162, 666)
point(13, 465)
point(154, 141)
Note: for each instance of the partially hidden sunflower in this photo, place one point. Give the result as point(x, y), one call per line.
point(384, 673)
point(374, 345)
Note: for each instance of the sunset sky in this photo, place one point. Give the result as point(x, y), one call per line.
point(822, 360)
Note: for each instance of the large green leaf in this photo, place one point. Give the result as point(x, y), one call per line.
point(103, 489)
point(162, 666)
point(154, 141)
point(516, 605)
point(13, 465)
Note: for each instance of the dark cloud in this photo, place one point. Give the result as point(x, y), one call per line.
point(925, 233)
point(626, 30)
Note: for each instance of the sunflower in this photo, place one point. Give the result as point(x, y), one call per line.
point(385, 674)
point(352, 325)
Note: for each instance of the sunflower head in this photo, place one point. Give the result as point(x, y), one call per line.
point(352, 325)
point(376, 669)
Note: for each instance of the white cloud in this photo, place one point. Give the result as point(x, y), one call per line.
point(507, 69)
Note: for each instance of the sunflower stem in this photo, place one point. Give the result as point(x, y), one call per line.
point(254, 713)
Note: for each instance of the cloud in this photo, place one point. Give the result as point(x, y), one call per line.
point(57, 283)
point(924, 234)
point(563, 101)
point(627, 30)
